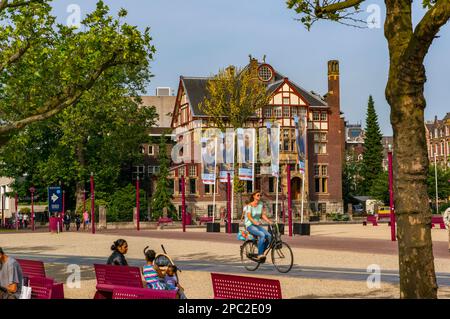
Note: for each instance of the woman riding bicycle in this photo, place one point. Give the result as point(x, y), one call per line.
point(254, 211)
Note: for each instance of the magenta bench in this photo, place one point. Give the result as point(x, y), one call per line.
point(142, 293)
point(35, 269)
point(437, 220)
point(205, 219)
point(41, 288)
point(165, 220)
point(371, 219)
point(110, 277)
point(242, 287)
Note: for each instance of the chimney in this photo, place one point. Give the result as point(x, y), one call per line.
point(253, 67)
point(333, 95)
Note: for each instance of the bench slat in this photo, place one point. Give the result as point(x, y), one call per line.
point(242, 287)
point(142, 293)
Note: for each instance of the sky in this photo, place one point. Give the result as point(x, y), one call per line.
point(199, 37)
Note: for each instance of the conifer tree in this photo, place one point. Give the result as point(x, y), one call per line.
point(162, 196)
point(373, 149)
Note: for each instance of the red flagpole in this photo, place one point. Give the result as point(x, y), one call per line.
point(16, 199)
point(288, 173)
point(391, 195)
point(183, 203)
point(92, 204)
point(138, 204)
point(229, 202)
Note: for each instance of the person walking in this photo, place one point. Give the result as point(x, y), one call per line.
point(67, 221)
point(85, 220)
point(78, 221)
point(254, 212)
point(25, 220)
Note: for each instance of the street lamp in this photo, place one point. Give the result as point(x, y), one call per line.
point(32, 190)
point(391, 193)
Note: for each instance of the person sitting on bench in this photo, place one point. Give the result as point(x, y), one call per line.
point(10, 277)
point(119, 248)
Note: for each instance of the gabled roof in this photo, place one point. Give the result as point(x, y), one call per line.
point(196, 90)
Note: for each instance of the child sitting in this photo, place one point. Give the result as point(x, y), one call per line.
point(171, 281)
point(151, 271)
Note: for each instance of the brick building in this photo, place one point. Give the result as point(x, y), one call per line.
point(323, 184)
point(438, 140)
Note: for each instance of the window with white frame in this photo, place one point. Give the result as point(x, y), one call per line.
point(316, 116)
point(268, 112)
point(151, 150)
point(323, 116)
point(320, 148)
point(182, 171)
point(277, 111)
point(152, 170)
point(286, 101)
point(193, 170)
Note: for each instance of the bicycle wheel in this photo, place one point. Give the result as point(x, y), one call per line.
point(282, 257)
point(249, 249)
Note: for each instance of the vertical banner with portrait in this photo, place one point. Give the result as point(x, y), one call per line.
point(209, 146)
point(300, 138)
point(226, 156)
point(246, 153)
point(273, 135)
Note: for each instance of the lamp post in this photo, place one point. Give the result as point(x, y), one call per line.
point(32, 190)
point(229, 202)
point(16, 200)
point(391, 193)
point(183, 203)
point(3, 206)
point(288, 175)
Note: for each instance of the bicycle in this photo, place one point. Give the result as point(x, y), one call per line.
point(281, 253)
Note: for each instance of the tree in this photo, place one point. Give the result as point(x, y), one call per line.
point(99, 133)
point(408, 47)
point(351, 177)
point(232, 98)
point(162, 198)
point(380, 187)
point(373, 149)
point(46, 67)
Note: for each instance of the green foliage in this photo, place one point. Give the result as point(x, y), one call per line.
point(47, 67)
point(235, 95)
point(380, 188)
point(443, 177)
point(163, 194)
point(123, 201)
point(99, 133)
point(373, 149)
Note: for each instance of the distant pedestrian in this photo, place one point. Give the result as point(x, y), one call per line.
point(85, 220)
point(78, 221)
point(25, 220)
point(119, 248)
point(67, 221)
point(20, 218)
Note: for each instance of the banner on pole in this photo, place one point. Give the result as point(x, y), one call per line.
point(273, 135)
point(300, 138)
point(226, 157)
point(246, 153)
point(209, 160)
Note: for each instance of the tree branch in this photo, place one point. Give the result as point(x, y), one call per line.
point(426, 30)
point(15, 57)
point(16, 4)
point(61, 102)
point(333, 8)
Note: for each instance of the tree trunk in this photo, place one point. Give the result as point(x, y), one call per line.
point(404, 92)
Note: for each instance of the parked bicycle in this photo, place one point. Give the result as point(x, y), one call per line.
point(281, 253)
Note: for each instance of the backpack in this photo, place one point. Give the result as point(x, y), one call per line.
point(244, 235)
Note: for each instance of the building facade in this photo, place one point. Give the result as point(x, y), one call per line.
point(323, 176)
point(438, 141)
